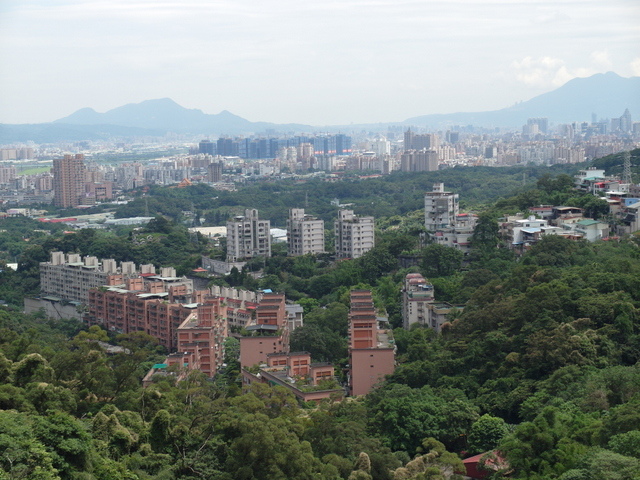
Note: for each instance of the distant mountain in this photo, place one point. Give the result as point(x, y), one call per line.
point(605, 94)
point(165, 114)
point(54, 133)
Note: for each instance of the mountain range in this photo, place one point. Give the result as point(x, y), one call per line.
point(607, 95)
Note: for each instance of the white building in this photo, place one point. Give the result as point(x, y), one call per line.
point(416, 294)
point(305, 233)
point(248, 237)
point(440, 208)
point(354, 235)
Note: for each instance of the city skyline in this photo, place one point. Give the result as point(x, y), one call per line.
point(318, 63)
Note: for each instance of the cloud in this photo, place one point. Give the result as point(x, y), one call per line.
point(550, 16)
point(635, 67)
point(538, 72)
point(551, 72)
point(600, 58)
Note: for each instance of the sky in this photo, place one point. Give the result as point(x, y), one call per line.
point(317, 62)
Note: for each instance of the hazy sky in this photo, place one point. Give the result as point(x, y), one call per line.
point(306, 61)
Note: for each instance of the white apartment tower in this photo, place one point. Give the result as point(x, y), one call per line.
point(305, 233)
point(440, 208)
point(354, 235)
point(248, 236)
point(417, 294)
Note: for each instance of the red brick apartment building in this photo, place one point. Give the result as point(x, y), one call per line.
point(371, 355)
point(270, 331)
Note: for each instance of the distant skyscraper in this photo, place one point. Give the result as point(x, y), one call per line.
point(214, 171)
point(207, 146)
point(419, 161)
point(626, 124)
point(542, 123)
point(68, 180)
point(424, 141)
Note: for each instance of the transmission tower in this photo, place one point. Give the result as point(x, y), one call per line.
point(626, 172)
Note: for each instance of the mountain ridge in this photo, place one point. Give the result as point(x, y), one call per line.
point(605, 94)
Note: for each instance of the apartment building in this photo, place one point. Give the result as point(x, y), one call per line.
point(142, 307)
point(305, 233)
point(371, 354)
point(417, 293)
point(68, 180)
point(202, 334)
point(309, 382)
point(354, 235)
point(69, 277)
point(459, 235)
point(200, 344)
point(248, 237)
point(419, 161)
point(268, 332)
point(440, 209)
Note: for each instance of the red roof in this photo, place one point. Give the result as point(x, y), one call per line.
point(474, 470)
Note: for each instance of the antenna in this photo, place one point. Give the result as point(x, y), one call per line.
point(626, 172)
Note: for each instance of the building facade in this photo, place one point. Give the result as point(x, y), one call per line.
point(440, 209)
point(248, 237)
point(354, 235)
point(305, 233)
point(268, 332)
point(68, 180)
point(417, 293)
point(419, 161)
point(371, 355)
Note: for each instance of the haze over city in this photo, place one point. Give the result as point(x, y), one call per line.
point(319, 63)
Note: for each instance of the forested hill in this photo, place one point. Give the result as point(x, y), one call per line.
point(382, 197)
point(541, 364)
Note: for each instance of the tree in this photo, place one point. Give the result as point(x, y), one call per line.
point(486, 433)
point(485, 233)
point(440, 260)
point(435, 464)
point(405, 416)
point(22, 454)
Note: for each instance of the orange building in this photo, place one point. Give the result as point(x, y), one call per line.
point(202, 335)
point(309, 382)
point(270, 331)
point(371, 354)
point(200, 344)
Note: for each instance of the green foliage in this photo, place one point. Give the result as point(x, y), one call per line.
point(405, 416)
point(600, 463)
point(486, 433)
point(440, 260)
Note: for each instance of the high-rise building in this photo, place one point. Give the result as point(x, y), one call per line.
point(420, 141)
point(68, 180)
point(305, 233)
point(371, 355)
point(214, 171)
point(626, 124)
point(419, 161)
point(542, 123)
point(354, 235)
point(417, 294)
point(440, 208)
point(248, 236)
point(207, 146)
